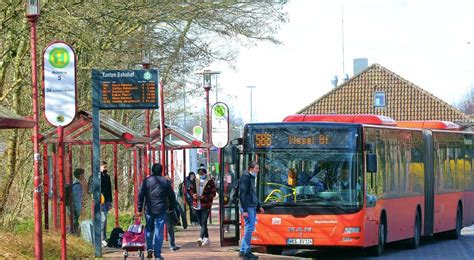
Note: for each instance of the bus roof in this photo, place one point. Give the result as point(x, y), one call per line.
point(343, 118)
point(429, 124)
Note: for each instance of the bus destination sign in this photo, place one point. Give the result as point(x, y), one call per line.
point(126, 89)
point(291, 136)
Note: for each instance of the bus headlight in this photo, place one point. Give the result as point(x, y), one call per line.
point(350, 230)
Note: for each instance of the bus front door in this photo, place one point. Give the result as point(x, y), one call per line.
point(229, 219)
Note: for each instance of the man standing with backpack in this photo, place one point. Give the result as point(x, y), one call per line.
point(249, 206)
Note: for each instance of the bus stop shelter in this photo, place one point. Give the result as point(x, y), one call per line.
point(10, 120)
point(79, 133)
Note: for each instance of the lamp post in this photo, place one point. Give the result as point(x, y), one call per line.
point(33, 13)
point(251, 102)
point(146, 65)
point(207, 74)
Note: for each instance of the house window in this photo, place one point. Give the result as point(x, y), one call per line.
point(379, 99)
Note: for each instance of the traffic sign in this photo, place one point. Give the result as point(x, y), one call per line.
point(220, 124)
point(198, 132)
point(59, 83)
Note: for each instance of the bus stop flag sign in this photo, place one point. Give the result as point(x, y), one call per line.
point(59, 83)
point(220, 125)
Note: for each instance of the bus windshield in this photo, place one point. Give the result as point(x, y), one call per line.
point(308, 178)
point(307, 166)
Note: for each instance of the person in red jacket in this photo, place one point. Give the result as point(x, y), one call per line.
point(203, 191)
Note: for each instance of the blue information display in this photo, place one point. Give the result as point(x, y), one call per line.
point(125, 89)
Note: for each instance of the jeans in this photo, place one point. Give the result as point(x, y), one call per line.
point(104, 210)
point(154, 232)
point(103, 224)
point(249, 227)
point(170, 229)
point(202, 215)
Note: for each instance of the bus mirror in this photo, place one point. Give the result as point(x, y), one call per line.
point(370, 147)
point(230, 154)
point(371, 162)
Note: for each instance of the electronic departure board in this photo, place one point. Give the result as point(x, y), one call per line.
point(126, 89)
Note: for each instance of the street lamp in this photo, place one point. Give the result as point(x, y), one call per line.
point(146, 63)
point(207, 74)
point(33, 13)
point(251, 103)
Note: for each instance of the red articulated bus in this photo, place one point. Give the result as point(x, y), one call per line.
point(359, 181)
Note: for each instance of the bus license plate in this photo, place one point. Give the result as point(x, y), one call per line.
point(299, 241)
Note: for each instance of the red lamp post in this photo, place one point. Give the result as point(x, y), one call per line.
point(146, 65)
point(32, 13)
point(207, 87)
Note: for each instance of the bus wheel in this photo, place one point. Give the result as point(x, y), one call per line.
point(414, 242)
point(377, 250)
point(456, 233)
point(274, 250)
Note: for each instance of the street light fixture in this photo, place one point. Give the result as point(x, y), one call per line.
point(251, 102)
point(32, 13)
point(32, 8)
point(207, 84)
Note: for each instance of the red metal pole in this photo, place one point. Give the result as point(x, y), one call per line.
point(46, 186)
point(162, 127)
point(135, 176)
point(116, 188)
point(70, 180)
point(54, 202)
point(208, 129)
point(147, 132)
point(92, 173)
point(184, 181)
point(62, 202)
point(147, 147)
point(36, 155)
point(172, 167)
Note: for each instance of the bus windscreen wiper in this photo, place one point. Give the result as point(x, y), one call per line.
point(274, 204)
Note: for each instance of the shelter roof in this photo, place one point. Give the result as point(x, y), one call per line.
point(177, 138)
point(8, 120)
point(81, 130)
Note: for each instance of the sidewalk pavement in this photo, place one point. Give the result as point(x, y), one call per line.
point(187, 240)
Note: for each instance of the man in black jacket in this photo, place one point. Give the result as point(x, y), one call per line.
point(158, 196)
point(249, 206)
point(106, 205)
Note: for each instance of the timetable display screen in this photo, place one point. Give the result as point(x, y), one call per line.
point(131, 89)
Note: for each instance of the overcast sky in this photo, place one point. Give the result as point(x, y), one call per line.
point(427, 42)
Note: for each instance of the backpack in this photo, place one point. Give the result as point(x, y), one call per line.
point(115, 239)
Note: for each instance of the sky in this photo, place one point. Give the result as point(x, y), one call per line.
point(428, 42)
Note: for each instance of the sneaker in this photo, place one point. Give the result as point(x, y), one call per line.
point(176, 248)
point(249, 255)
point(104, 243)
point(199, 242)
point(241, 254)
point(159, 257)
point(149, 254)
point(206, 241)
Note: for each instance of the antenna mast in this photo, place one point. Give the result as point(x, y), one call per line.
point(342, 30)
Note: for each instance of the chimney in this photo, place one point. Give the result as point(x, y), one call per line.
point(360, 64)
